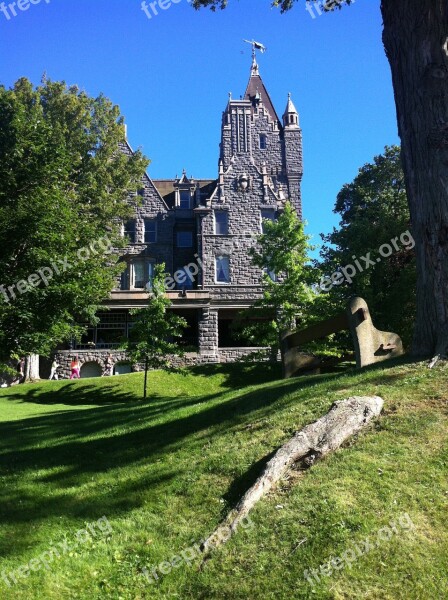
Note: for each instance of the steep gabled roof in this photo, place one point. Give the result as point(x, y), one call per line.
point(167, 188)
point(255, 86)
point(125, 148)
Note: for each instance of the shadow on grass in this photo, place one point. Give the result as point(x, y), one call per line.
point(49, 463)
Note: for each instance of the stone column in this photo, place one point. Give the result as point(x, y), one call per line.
point(208, 334)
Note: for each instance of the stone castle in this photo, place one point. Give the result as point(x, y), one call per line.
point(202, 231)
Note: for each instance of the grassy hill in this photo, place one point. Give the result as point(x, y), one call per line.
point(147, 481)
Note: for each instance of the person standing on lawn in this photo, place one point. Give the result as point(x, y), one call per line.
point(75, 366)
point(108, 366)
point(54, 369)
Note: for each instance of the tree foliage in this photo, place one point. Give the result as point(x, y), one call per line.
point(63, 187)
point(154, 328)
point(416, 44)
point(373, 211)
point(282, 252)
point(284, 5)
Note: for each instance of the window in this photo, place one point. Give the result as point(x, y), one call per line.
point(263, 141)
point(183, 279)
point(184, 239)
point(184, 199)
point(222, 269)
point(143, 274)
point(221, 222)
point(129, 231)
point(271, 274)
point(150, 231)
point(125, 282)
point(267, 214)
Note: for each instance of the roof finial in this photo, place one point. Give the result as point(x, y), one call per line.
point(255, 46)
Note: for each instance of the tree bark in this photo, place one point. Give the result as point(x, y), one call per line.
point(415, 37)
point(32, 367)
point(145, 387)
point(325, 435)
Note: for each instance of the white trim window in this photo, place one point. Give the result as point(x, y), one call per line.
point(221, 222)
point(138, 275)
point(184, 199)
point(222, 269)
point(130, 230)
point(150, 231)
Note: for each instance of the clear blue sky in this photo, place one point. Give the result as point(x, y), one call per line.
point(171, 75)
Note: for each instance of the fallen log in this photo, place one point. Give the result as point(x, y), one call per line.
point(345, 418)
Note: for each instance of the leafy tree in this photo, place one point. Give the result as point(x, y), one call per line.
point(415, 38)
point(153, 328)
point(374, 211)
point(63, 191)
point(282, 252)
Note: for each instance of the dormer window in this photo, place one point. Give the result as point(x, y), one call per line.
point(263, 141)
point(184, 199)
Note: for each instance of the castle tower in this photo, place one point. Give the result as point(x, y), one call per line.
point(292, 139)
point(252, 133)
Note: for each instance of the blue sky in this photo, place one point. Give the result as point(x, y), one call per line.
point(171, 75)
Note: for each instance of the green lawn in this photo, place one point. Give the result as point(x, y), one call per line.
point(164, 472)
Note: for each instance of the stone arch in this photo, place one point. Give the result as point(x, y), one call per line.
point(122, 367)
point(91, 368)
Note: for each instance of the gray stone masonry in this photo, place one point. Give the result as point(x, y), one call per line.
point(260, 167)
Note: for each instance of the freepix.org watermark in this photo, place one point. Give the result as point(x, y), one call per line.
point(94, 530)
point(45, 274)
point(151, 9)
point(402, 524)
point(319, 6)
point(346, 274)
point(9, 10)
point(188, 555)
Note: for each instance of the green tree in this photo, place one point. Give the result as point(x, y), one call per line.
point(415, 38)
point(373, 211)
point(153, 329)
point(282, 252)
point(64, 186)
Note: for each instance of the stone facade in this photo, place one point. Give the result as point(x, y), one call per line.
point(207, 226)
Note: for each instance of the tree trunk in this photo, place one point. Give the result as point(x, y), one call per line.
point(415, 37)
point(325, 435)
point(32, 368)
point(146, 378)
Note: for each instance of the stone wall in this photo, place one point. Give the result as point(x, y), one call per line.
point(231, 355)
point(65, 357)
point(223, 355)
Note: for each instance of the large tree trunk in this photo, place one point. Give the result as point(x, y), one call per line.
point(32, 367)
point(314, 441)
point(416, 41)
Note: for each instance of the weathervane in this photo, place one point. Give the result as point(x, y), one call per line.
point(256, 46)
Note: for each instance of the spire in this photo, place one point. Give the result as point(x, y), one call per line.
point(256, 91)
point(291, 116)
point(254, 68)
